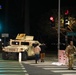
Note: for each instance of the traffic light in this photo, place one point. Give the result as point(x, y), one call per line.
point(52, 21)
point(66, 18)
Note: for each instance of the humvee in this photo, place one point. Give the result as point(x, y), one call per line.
point(23, 44)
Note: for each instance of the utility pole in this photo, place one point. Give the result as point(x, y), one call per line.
point(58, 26)
point(26, 18)
point(6, 16)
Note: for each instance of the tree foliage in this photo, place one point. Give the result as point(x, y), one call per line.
point(47, 32)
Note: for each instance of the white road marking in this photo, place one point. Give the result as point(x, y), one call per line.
point(65, 71)
point(68, 74)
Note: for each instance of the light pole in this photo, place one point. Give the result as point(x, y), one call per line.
point(58, 26)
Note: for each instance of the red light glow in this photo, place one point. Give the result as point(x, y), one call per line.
point(52, 18)
point(66, 12)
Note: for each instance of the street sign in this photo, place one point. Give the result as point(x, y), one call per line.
point(5, 35)
point(71, 33)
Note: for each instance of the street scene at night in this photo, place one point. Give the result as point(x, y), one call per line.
point(37, 37)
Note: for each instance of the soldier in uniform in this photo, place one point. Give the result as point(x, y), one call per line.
point(70, 50)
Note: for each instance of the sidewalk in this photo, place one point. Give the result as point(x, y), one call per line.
point(54, 59)
point(51, 57)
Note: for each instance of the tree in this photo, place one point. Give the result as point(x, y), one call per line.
point(44, 24)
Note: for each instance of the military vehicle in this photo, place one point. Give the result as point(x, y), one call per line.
point(21, 44)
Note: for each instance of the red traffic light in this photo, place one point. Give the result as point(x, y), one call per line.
point(66, 12)
point(52, 19)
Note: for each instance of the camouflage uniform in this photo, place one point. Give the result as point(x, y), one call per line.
point(70, 50)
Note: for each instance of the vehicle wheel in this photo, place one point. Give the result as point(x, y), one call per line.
point(4, 55)
point(24, 56)
point(16, 56)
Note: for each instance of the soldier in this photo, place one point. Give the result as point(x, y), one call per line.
point(70, 50)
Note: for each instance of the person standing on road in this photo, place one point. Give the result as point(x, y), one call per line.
point(42, 52)
point(70, 51)
point(37, 50)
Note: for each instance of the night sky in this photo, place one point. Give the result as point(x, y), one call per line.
point(39, 8)
point(22, 15)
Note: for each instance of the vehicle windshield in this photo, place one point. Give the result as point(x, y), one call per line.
point(15, 43)
point(24, 43)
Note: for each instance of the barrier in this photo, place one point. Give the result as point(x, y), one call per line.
point(62, 58)
point(19, 56)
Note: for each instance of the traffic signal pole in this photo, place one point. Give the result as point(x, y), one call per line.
point(61, 53)
point(58, 27)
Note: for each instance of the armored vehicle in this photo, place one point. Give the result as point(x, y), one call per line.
point(23, 44)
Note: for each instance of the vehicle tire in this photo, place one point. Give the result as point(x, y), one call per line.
point(4, 55)
point(16, 56)
point(24, 56)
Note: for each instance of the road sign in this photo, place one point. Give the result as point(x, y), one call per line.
point(71, 33)
point(5, 35)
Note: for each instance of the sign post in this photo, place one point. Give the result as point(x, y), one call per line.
point(20, 57)
point(4, 35)
point(58, 28)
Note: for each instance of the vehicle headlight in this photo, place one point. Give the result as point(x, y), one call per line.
point(3, 48)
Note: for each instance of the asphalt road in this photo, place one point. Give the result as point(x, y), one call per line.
point(47, 68)
point(11, 67)
point(51, 66)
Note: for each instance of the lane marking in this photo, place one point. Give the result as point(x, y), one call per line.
point(68, 74)
point(23, 67)
point(59, 71)
point(64, 68)
point(12, 71)
point(11, 68)
point(14, 74)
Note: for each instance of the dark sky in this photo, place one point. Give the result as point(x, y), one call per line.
point(41, 7)
point(14, 13)
point(38, 7)
point(17, 16)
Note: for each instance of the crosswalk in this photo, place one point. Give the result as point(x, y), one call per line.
point(12, 68)
point(59, 69)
